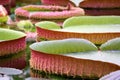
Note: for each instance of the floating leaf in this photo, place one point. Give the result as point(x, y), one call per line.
point(113, 44)
point(64, 46)
point(10, 71)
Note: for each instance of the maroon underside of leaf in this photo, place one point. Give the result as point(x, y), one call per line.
point(97, 38)
point(3, 2)
point(59, 64)
point(17, 61)
point(55, 2)
point(97, 12)
point(100, 4)
point(12, 46)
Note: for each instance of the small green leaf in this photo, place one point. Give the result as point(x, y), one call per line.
point(47, 25)
point(113, 44)
point(25, 25)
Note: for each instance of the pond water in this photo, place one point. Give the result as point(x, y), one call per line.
point(25, 61)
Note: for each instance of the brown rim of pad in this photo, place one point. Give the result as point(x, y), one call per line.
point(56, 2)
point(97, 38)
point(101, 7)
point(97, 12)
point(100, 4)
point(11, 42)
point(28, 2)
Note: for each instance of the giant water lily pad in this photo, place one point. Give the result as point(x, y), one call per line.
point(64, 46)
point(73, 57)
point(94, 28)
point(43, 12)
point(105, 56)
point(7, 34)
point(112, 44)
point(11, 41)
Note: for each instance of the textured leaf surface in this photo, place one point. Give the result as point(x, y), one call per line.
point(47, 25)
point(105, 56)
point(113, 44)
point(7, 34)
point(91, 20)
point(64, 46)
point(92, 29)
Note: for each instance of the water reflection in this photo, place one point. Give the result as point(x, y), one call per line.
point(47, 76)
point(17, 60)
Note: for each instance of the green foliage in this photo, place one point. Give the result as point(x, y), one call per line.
point(7, 34)
point(113, 44)
point(32, 9)
point(47, 25)
point(91, 20)
point(3, 19)
point(64, 46)
point(25, 25)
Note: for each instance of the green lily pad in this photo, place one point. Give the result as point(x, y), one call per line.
point(113, 44)
point(91, 29)
point(7, 34)
point(77, 48)
point(64, 46)
point(105, 56)
point(91, 20)
point(32, 8)
point(97, 29)
point(48, 25)
point(75, 52)
point(92, 24)
point(25, 25)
